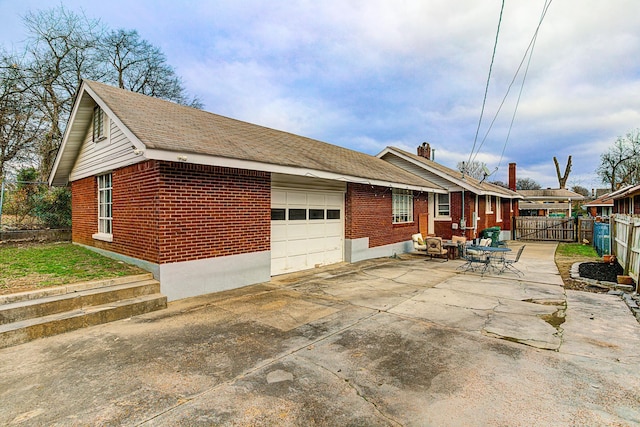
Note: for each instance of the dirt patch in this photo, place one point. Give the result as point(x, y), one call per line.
point(564, 264)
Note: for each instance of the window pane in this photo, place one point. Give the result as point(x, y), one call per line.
point(316, 213)
point(278, 214)
point(402, 205)
point(297, 214)
point(333, 213)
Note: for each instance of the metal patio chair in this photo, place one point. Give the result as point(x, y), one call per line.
point(508, 264)
point(475, 261)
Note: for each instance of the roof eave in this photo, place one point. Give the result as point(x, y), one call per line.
point(203, 159)
point(456, 181)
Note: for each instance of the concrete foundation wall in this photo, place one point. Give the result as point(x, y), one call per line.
point(358, 249)
point(35, 235)
point(204, 276)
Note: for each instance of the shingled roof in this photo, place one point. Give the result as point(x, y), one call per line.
point(165, 130)
point(451, 177)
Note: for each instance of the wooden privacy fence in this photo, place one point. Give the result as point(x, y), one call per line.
point(625, 242)
point(545, 228)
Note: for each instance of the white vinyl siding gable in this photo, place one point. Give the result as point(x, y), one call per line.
point(114, 151)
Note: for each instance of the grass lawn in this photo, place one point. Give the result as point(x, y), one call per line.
point(568, 254)
point(34, 266)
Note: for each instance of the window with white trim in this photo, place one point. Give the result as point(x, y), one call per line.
point(498, 209)
point(105, 204)
point(443, 205)
point(487, 204)
point(402, 205)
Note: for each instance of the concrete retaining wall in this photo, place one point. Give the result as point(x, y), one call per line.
point(35, 236)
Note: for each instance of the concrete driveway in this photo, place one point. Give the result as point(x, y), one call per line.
point(382, 342)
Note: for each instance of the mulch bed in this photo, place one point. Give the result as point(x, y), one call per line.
point(600, 271)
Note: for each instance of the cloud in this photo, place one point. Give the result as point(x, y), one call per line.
point(365, 74)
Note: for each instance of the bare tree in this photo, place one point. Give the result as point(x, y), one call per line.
point(562, 179)
point(64, 47)
point(620, 164)
point(474, 169)
point(60, 53)
point(527, 184)
point(581, 190)
point(138, 66)
point(20, 120)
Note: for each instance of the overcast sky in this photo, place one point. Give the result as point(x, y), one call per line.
point(371, 73)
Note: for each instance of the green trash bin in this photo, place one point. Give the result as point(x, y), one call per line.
point(492, 233)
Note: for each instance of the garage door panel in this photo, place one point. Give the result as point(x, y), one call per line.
point(316, 199)
point(297, 231)
point(278, 249)
point(316, 230)
point(315, 245)
point(296, 198)
point(278, 198)
point(332, 244)
point(333, 229)
point(334, 200)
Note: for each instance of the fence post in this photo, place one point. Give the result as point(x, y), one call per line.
point(627, 258)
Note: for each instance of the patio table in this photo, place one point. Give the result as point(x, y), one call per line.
point(495, 254)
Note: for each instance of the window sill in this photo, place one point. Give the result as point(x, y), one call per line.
point(442, 218)
point(103, 236)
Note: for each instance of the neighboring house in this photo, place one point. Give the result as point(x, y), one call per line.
point(209, 203)
point(600, 207)
point(485, 205)
point(626, 200)
point(548, 202)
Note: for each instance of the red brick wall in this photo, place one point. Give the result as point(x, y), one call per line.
point(368, 213)
point(208, 211)
point(84, 215)
point(167, 212)
point(135, 215)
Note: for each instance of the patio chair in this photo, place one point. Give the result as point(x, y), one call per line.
point(418, 243)
point(508, 263)
point(434, 248)
point(474, 260)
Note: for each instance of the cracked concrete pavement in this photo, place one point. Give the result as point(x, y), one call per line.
point(382, 342)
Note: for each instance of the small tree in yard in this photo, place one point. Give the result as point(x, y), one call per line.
point(527, 184)
point(33, 203)
point(620, 164)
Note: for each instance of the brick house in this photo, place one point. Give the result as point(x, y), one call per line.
point(626, 200)
point(600, 207)
point(548, 202)
point(209, 203)
point(485, 205)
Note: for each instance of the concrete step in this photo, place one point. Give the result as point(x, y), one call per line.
point(74, 287)
point(29, 309)
point(27, 318)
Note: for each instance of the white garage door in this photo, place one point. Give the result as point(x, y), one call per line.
point(306, 229)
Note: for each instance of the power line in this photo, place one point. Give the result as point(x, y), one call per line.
point(486, 90)
point(529, 53)
point(526, 71)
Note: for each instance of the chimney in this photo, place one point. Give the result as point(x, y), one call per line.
point(424, 150)
point(512, 176)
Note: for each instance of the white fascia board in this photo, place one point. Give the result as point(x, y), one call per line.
point(203, 159)
point(67, 131)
